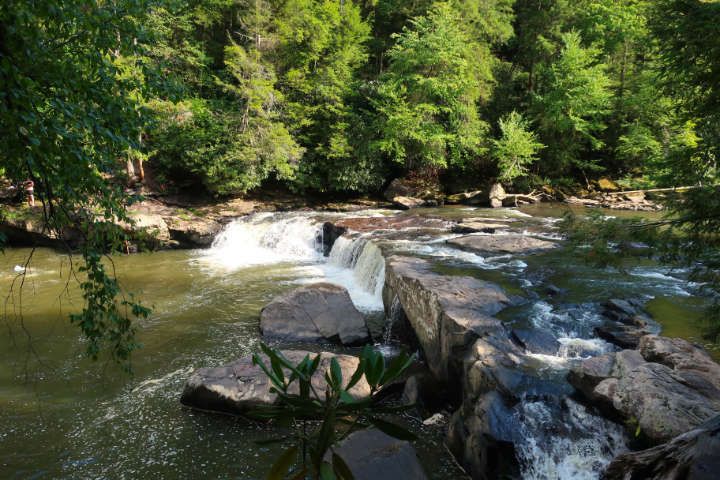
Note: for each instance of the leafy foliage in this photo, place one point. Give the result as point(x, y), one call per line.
point(516, 148)
point(338, 411)
point(428, 98)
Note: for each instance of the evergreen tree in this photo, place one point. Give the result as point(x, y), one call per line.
point(570, 106)
point(428, 98)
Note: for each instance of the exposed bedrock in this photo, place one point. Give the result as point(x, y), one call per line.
point(668, 386)
point(694, 455)
point(321, 311)
point(239, 386)
point(447, 313)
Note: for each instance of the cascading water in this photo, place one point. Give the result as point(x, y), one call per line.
point(561, 439)
point(358, 264)
point(272, 238)
point(265, 239)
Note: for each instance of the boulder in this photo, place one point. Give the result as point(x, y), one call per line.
point(694, 455)
point(406, 203)
point(496, 195)
point(330, 233)
point(196, 232)
point(664, 402)
point(239, 386)
point(513, 243)
point(316, 312)
point(620, 334)
point(150, 224)
point(448, 313)
point(399, 187)
point(372, 455)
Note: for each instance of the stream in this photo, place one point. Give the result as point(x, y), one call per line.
point(63, 416)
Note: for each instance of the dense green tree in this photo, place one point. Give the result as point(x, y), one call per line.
point(570, 106)
point(322, 47)
point(429, 96)
point(516, 148)
point(68, 114)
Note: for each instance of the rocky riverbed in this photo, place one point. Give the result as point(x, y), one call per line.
point(513, 411)
point(531, 364)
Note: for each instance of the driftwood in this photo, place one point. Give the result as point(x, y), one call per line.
point(517, 199)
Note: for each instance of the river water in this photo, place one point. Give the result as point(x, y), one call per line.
point(63, 416)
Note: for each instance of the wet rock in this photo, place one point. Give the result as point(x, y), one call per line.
point(239, 386)
point(481, 436)
point(620, 334)
point(330, 233)
point(618, 309)
point(496, 195)
point(513, 243)
point(591, 372)
point(27, 229)
point(477, 226)
point(424, 392)
point(372, 455)
point(321, 311)
point(447, 313)
point(536, 341)
point(694, 455)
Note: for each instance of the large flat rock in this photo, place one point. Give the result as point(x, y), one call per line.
point(321, 311)
point(446, 312)
point(239, 386)
point(511, 243)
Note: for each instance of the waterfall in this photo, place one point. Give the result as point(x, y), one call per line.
point(266, 238)
point(396, 311)
point(358, 264)
point(561, 439)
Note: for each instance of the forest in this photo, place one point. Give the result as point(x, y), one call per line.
point(228, 96)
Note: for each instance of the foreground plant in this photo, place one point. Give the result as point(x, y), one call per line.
point(321, 419)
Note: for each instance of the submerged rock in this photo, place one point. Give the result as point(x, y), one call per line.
point(663, 400)
point(372, 455)
point(694, 455)
point(513, 243)
point(239, 386)
point(321, 311)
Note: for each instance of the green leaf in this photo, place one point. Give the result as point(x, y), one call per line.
point(392, 429)
point(326, 472)
point(283, 464)
point(336, 372)
point(398, 365)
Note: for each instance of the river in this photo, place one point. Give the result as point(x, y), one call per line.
point(63, 416)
